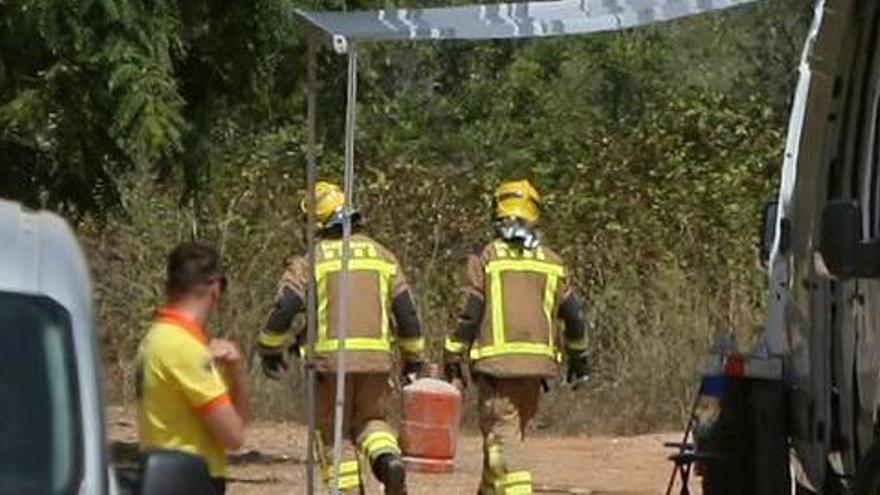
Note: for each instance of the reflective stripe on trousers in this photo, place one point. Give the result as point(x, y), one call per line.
point(349, 475)
point(349, 480)
point(506, 407)
point(379, 442)
point(516, 483)
point(513, 483)
point(367, 403)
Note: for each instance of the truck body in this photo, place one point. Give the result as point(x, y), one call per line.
point(823, 321)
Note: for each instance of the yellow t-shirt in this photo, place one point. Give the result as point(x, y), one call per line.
point(178, 383)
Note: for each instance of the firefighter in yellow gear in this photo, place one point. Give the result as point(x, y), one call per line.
point(514, 291)
point(381, 316)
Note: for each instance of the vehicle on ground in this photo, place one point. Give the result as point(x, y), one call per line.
point(52, 420)
point(812, 389)
point(52, 433)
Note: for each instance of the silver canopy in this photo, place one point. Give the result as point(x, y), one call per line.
point(506, 20)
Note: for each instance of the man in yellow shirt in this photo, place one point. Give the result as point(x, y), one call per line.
point(191, 388)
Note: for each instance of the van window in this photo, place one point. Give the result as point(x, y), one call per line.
point(40, 441)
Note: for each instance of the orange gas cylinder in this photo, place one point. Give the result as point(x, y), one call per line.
point(429, 424)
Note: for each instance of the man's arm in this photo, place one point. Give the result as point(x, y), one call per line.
point(226, 426)
point(408, 327)
point(289, 301)
point(571, 313)
point(470, 316)
point(576, 335)
point(222, 405)
point(228, 419)
point(228, 356)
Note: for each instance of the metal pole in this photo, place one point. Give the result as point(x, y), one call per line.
point(311, 117)
point(344, 289)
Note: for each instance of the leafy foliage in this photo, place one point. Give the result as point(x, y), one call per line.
point(91, 89)
point(152, 121)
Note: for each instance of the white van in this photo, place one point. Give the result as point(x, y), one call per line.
point(824, 273)
point(810, 395)
point(51, 420)
point(52, 438)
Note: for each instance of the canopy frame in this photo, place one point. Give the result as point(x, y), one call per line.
point(312, 300)
point(343, 30)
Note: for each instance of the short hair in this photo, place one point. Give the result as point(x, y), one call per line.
point(191, 265)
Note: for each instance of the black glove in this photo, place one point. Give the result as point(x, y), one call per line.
point(410, 372)
point(578, 368)
point(273, 362)
point(271, 347)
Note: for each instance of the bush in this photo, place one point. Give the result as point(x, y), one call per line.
point(651, 319)
point(653, 171)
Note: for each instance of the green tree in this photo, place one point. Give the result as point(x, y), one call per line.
point(92, 89)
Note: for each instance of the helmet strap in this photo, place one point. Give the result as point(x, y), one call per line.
point(516, 231)
point(333, 226)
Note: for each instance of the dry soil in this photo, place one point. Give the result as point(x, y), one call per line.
point(272, 462)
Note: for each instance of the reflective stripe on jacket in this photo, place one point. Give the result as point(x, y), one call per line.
point(370, 278)
point(380, 312)
point(521, 298)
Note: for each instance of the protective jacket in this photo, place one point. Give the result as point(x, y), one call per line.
point(512, 298)
point(380, 314)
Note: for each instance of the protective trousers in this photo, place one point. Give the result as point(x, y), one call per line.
point(365, 428)
point(507, 405)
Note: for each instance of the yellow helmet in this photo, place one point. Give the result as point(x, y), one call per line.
point(517, 199)
point(329, 202)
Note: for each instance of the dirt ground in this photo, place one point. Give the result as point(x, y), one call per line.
point(273, 462)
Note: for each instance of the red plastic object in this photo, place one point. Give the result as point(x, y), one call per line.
point(429, 425)
point(735, 366)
